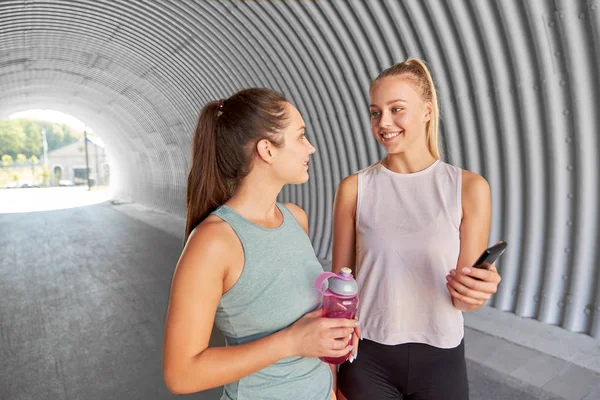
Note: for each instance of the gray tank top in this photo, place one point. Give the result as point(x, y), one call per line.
point(275, 289)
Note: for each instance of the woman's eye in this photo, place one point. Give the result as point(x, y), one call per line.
point(375, 114)
point(397, 109)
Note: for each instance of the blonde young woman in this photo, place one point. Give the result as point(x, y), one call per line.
point(248, 265)
point(411, 226)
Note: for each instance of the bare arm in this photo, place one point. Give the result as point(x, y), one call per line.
point(469, 294)
point(189, 365)
point(344, 225)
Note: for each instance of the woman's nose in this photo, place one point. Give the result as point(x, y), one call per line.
point(385, 119)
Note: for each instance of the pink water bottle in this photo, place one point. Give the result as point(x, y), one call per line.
point(340, 300)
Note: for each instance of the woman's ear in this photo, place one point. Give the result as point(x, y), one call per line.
point(265, 151)
point(428, 112)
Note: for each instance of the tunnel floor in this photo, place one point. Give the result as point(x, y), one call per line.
point(84, 293)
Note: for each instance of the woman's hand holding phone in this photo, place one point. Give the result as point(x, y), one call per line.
point(475, 285)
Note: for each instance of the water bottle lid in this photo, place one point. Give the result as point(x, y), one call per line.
point(343, 284)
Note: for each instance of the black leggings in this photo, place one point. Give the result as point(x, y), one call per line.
point(412, 371)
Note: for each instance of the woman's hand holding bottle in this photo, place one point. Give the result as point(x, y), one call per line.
point(316, 336)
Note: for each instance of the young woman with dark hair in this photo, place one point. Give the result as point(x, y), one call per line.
point(248, 265)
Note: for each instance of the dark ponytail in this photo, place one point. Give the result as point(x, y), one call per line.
point(206, 188)
point(224, 146)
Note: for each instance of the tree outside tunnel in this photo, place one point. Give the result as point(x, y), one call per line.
point(25, 162)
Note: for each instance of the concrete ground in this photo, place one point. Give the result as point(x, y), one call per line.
point(84, 293)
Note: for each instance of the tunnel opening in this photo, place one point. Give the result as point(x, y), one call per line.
point(56, 156)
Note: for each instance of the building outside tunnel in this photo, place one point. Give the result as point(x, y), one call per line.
point(68, 164)
point(518, 83)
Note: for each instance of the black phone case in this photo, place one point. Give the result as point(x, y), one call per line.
point(490, 255)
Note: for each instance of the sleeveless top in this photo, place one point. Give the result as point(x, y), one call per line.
point(275, 289)
point(407, 240)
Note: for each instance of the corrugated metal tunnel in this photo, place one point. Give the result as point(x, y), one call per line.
point(518, 84)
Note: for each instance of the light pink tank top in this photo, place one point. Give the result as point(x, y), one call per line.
point(407, 240)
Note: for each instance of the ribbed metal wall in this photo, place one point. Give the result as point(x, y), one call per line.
point(518, 83)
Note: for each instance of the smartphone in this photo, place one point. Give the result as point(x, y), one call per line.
point(490, 255)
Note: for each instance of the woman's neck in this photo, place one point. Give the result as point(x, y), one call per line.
point(406, 163)
point(255, 199)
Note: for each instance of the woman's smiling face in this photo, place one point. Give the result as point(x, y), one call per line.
point(399, 115)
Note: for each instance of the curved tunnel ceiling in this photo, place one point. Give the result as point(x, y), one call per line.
point(518, 86)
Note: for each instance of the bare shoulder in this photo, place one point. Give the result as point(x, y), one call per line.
point(348, 186)
point(347, 195)
point(299, 214)
point(475, 189)
point(212, 231)
point(210, 243)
